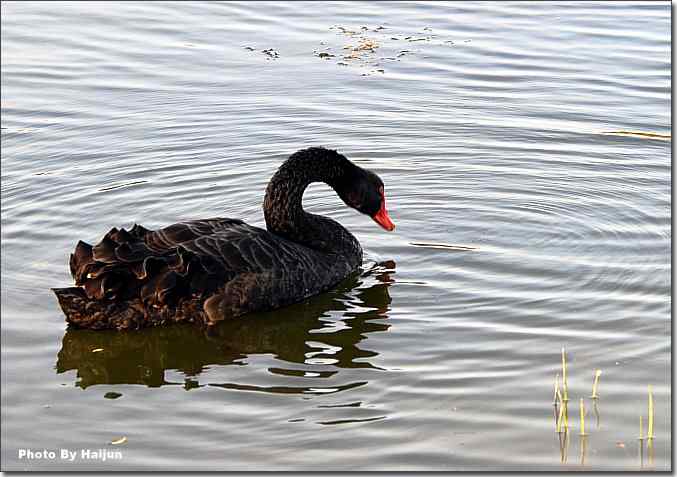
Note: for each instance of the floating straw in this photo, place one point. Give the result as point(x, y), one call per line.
point(595, 382)
point(582, 412)
point(641, 428)
point(555, 399)
point(649, 432)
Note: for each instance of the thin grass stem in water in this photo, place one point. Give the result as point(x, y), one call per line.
point(565, 391)
point(595, 383)
point(649, 432)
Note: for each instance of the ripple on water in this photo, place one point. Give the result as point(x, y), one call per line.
point(535, 134)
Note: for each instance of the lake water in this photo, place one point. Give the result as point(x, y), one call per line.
point(495, 126)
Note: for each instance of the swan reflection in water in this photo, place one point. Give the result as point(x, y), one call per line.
point(308, 334)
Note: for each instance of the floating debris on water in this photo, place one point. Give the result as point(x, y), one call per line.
point(112, 395)
point(97, 350)
point(368, 44)
point(118, 186)
point(343, 30)
point(442, 246)
point(365, 44)
point(117, 442)
point(271, 53)
point(366, 41)
point(325, 55)
point(648, 135)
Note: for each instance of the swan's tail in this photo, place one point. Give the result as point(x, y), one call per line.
point(84, 312)
point(124, 282)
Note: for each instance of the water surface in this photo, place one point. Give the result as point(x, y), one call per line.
point(500, 129)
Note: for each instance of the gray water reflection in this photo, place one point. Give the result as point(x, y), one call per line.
point(303, 334)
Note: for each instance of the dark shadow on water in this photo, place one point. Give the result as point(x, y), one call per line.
point(319, 336)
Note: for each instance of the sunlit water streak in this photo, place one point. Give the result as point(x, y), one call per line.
point(525, 148)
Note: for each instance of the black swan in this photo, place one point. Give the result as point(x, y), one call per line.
point(214, 269)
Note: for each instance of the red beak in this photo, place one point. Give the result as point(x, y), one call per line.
point(381, 216)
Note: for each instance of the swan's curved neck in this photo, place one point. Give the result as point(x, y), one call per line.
point(283, 208)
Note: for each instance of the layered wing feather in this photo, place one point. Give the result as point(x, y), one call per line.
point(242, 268)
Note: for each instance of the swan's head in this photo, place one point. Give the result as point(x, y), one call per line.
point(363, 190)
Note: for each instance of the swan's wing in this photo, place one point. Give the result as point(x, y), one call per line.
point(232, 245)
point(182, 260)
